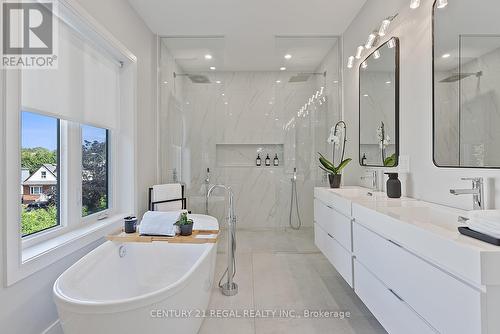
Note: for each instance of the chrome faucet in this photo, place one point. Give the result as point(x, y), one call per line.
point(229, 288)
point(477, 192)
point(374, 178)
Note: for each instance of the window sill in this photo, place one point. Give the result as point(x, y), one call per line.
point(43, 254)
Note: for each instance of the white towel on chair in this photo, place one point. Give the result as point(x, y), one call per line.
point(165, 192)
point(159, 223)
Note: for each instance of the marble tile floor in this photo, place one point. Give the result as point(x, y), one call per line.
point(283, 270)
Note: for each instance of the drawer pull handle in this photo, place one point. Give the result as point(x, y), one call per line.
point(396, 295)
point(331, 236)
point(394, 243)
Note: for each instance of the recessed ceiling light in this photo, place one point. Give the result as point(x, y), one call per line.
point(388, 82)
point(208, 56)
point(282, 68)
point(335, 81)
point(223, 94)
point(288, 56)
point(365, 95)
point(278, 81)
point(212, 68)
point(165, 82)
point(276, 119)
point(226, 102)
point(218, 81)
point(446, 55)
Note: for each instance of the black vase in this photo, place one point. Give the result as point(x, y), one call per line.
point(393, 186)
point(335, 180)
point(186, 229)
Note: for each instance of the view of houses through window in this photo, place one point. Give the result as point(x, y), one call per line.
point(39, 181)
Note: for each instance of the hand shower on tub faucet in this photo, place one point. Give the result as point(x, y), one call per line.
point(229, 288)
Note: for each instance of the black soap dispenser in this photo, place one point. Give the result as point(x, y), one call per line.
point(268, 160)
point(276, 161)
point(363, 159)
point(258, 162)
point(393, 186)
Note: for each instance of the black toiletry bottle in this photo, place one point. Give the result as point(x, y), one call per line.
point(363, 160)
point(393, 186)
point(268, 161)
point(276, 162)
point(258, 161)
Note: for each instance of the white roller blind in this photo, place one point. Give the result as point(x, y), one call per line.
point(84, 88)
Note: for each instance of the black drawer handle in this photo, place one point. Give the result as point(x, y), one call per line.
point(331, 236)
point(396, 295)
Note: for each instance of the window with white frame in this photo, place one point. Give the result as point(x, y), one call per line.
point(34, 191)
point(67, 187)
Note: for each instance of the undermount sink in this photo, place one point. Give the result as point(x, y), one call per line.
point(357, 192)
point(418, 213)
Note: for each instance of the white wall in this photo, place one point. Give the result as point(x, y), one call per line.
point(27, 307)
point(413, 27)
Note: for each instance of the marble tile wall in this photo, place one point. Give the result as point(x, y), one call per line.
point(246, 108)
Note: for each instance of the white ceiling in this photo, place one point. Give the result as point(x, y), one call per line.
point(250, 35)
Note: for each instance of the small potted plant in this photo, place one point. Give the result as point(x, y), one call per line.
point(333, 171)
point(185, 224)
point(328, 166)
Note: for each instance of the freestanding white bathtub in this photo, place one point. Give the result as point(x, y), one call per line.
point(155, 287)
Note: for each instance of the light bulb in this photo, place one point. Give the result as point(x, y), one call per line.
point(350, 62)
point(391, 43)
point(376, 54)
point(414, 4)
point(359, 51)
point(371, 40)
point(364, 65)
point(383, 27)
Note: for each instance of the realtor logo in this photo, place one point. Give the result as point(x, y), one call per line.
point(28, 37)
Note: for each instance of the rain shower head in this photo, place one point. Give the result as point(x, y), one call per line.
point(303, 77)
point(195, 78)
point(459, 76)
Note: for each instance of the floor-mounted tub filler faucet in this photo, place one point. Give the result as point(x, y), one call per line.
point(229, 288)
point(207, 186)
point(477, 192)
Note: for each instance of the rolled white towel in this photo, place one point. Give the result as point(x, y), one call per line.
point(159, 223)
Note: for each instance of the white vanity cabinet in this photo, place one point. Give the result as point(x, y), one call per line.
point(333, 236)
point(407, 262)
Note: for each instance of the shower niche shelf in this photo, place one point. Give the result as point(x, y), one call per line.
point(244, 155)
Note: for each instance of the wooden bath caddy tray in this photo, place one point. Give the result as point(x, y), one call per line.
point(195, 238)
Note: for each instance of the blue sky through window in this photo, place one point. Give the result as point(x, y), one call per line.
point(38, 131)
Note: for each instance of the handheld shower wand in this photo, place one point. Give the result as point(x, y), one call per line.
point(229, 288)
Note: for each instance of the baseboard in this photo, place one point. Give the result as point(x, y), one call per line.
point(54, 328)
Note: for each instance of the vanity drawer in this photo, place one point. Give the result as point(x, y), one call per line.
point(334, 223)
point(390, 311)
point(337, 255)
point(448, 304)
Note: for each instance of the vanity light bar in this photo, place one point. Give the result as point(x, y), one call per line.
point(414, 4)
